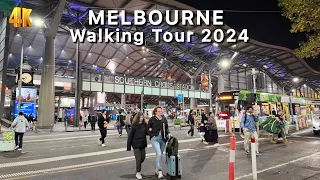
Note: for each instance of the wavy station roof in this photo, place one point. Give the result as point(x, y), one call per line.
point(119, 58)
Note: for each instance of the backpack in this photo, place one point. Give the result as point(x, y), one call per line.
point(172, 147)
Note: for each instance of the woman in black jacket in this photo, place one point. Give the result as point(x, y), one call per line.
point(103, 122)
point(191, 123)
point(159, 132)
point(137, 139)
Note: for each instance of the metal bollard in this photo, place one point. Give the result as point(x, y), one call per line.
point(232, 157)
point(254, 159)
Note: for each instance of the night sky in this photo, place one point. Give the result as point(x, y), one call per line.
point(266, 27)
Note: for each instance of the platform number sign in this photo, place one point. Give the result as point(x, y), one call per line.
point(20, 17)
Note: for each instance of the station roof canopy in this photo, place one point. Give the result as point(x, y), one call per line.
point(184, 59)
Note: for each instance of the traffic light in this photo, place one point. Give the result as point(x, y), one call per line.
point(145, 105)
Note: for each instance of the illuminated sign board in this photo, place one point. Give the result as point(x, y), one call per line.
point(20, 17)
point(226, 97)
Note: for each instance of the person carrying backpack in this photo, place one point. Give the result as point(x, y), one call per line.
point(249, 128)
point(137, 139)
point(128, 123)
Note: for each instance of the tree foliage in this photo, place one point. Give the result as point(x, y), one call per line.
point(305, 15)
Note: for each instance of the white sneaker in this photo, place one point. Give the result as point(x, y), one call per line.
point(19, 149)
point(16, 147)
point(103, 145)
point(160, 176)
point(138, 175)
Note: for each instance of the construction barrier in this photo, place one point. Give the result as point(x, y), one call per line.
point(232, 157)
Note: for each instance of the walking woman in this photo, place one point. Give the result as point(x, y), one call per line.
point(137, 139)
point(103, 122)
point(191, 123)
point(159, 134)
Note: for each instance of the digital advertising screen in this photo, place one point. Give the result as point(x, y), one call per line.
point(27, 94)
point(25, 107)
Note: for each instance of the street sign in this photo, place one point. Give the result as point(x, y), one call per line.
point(180, 97)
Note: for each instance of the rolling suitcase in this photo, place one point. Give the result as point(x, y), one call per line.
point(174, 166)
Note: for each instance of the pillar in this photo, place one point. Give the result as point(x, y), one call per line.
point(193, 100)
point(46, 98)
point(220, 90)
point(220, 83)
point(210, 92)
point(123, 99)
point(78, 87)
point(91, 103)
point(4, 42)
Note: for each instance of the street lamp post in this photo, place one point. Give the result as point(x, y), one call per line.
point(20, 76)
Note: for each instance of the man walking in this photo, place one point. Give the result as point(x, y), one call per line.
point(248, 122)
point(279, 117)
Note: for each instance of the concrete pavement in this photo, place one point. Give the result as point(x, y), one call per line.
point(78, 156)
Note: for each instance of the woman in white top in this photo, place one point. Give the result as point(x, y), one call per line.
point(19, 125)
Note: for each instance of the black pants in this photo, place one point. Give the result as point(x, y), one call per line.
point(140, 155)
point(103, 133)
point(85, 124)
point(191, 130)
point(18, 139)
point(128, 128)
point(93, 126)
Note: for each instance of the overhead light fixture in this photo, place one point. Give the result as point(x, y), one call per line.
point(10, 54)
point(128, 70)
point(142, 47)
point(147, 50)
point(112, 72)
point(244, 65)
point(37, 21)
point(224, 63)
point(70, 61)
point(305, 85)
point(145, 66)
point(127, 57)
point(144, 58)
point(18, 35)
point(30, 46)
point(293, 90)
point(215, 44)
point(265, 66)
point(295, 79)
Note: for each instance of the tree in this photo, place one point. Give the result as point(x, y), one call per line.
point(305, 15)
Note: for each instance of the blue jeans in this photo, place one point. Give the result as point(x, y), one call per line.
point(158, 145)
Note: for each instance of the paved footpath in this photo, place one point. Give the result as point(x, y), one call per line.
point(77, 156)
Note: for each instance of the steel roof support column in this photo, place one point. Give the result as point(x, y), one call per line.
point(210, 92)
point(47, 93)
point(78, 88)
point(5, 52)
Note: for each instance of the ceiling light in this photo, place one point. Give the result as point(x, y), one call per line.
point(305, 85)
point(244, 65)
point(112, 72)
point(70, 61)
point(295, 79)
point(145, 66)
point(147, 50)
point(18, 35)
point(30, 46)
point(265, 66)
point(142, 47)
point(127, 57)
point(224, 63)
point(128, 70)
point(10, 54)
point(293, 90)
point(144, 58)
point(215, 44)
point(38, 22)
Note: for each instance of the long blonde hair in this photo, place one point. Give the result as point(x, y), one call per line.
point(136, 118)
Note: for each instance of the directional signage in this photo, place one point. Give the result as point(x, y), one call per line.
point(180, 97)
